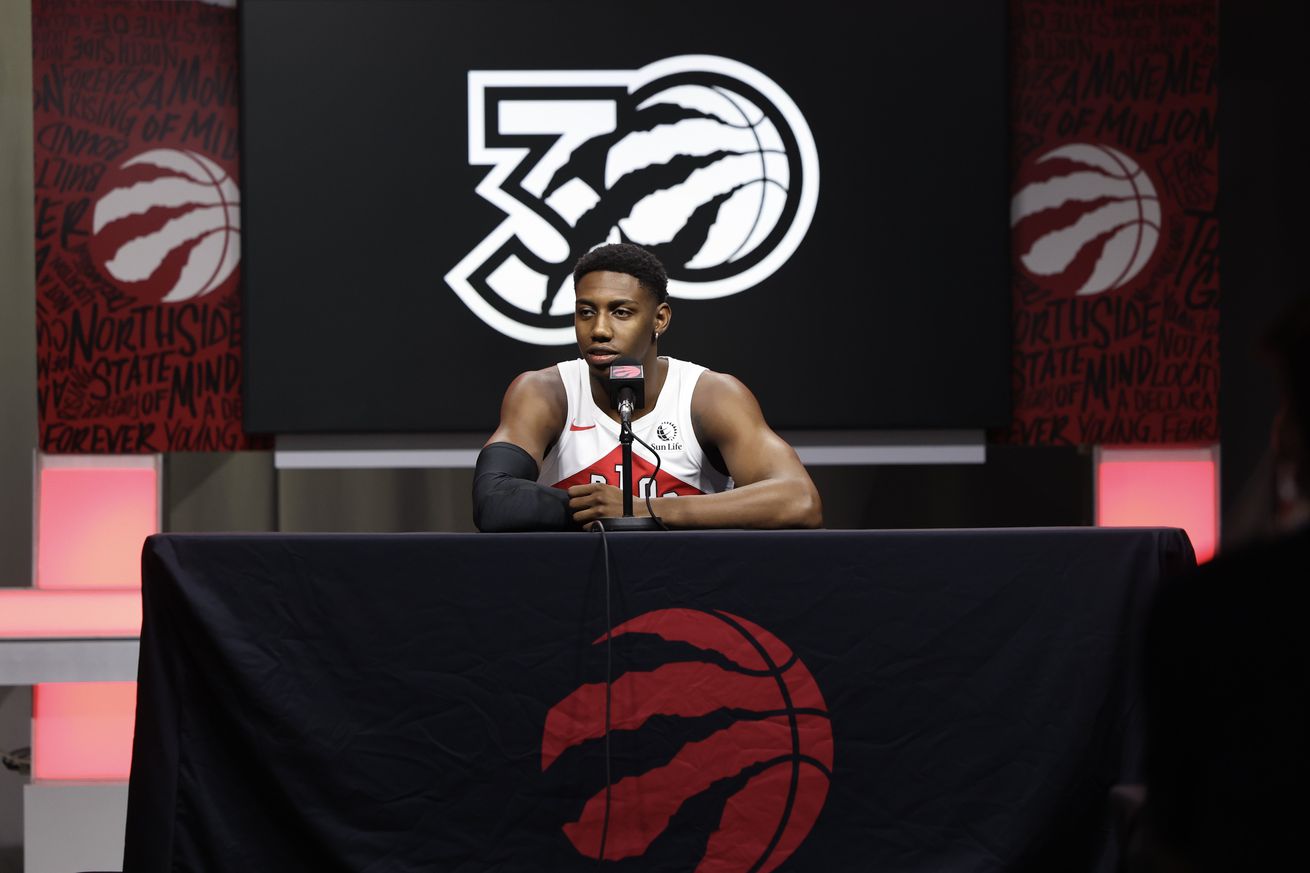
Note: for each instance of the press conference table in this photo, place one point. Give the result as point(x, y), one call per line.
point(802, 701)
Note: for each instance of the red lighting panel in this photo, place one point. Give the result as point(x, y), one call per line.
point(83, 730)
point(27, 613)
point(91, 522)
point(1161, 488)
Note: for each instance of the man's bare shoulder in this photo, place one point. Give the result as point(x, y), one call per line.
point(719, 392)
point(533, 411)
point(545, 382)
point(720, 404)
point(544, 376)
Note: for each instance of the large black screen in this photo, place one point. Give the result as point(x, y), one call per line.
point(827, 186)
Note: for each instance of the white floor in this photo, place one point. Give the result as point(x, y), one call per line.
point(73, 826)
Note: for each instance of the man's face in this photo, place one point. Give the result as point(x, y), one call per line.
point(614, 316)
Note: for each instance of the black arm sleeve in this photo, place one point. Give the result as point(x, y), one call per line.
point(506, 496)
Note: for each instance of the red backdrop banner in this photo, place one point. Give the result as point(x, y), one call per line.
point(1115, 237)
point(137, 227)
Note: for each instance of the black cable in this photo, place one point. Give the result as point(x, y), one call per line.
point(653, 478)
point(609, 678)
point(609, 644)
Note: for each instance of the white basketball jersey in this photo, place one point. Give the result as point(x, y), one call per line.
point(588, 447)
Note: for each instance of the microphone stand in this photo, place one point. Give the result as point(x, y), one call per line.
point(628, 521)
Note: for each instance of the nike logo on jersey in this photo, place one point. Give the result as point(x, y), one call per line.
point(573, 426)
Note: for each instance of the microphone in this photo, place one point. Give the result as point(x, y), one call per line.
point(627, 390)
point(627, 387)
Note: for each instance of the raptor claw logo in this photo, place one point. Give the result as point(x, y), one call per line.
point(1085, 219)
point(701, 159)
point(765, 736)
point(167, 226)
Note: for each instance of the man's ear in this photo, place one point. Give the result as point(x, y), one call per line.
point(663, 316)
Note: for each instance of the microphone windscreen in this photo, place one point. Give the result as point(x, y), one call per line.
point(627, 373)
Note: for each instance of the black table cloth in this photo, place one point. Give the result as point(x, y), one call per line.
point(801, 701)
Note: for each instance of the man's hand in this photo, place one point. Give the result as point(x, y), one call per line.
point(590, 502)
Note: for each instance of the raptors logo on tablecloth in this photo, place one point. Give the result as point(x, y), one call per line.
point(702, 159)
point(773, 746)
point(1086, 219)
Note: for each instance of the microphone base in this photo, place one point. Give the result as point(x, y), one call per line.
point(629, 522)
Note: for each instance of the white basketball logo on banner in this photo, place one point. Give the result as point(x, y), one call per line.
point(701, 159)
point(1086, 219)
point(167, 225)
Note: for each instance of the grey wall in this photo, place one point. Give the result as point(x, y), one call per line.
point(375, 500)
point(208, 491)
point(17, 294)
point(17, 377)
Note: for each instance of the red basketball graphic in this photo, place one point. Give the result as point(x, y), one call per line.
point(780, 733)
point(166, 226)
point(1085, 219)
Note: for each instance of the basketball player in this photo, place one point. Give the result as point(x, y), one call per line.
point(552, 464)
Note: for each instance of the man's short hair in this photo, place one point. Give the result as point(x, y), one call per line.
point(626, 258)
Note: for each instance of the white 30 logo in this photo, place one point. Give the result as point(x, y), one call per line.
point(701, 159)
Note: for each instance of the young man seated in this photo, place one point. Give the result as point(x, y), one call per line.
point(554, 461)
